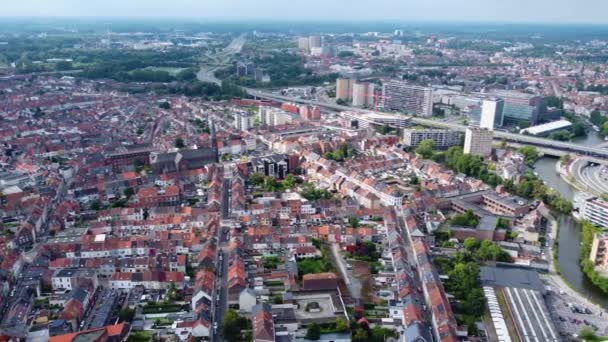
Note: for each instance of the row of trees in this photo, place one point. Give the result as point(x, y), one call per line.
point(530, 187)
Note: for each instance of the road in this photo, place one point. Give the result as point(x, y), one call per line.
point(512, 137)
point(221, 285)
point(591, 178)
point(207, 72)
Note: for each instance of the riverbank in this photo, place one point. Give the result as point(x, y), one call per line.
point(555, 276)
point(565, 254)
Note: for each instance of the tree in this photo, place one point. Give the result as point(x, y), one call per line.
point(126, 315)
point(353, 222)
point(232, 326)
point(341, 325)
point(360, 335)
point(587, 334)
point(289, 182)
point(530, 154)
point(313, 332)
point(164, 105)
point(257, 178)
point(96, 205)
point(129, 192)
point(426, 148)
point(179, 143)
point(471, 244)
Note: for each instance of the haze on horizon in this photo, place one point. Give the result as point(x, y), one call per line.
point(531, 11)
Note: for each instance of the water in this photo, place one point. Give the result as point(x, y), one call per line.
point(569, 230)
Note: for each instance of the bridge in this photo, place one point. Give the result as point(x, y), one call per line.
point(552, 147)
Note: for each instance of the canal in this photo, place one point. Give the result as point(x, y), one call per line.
point(569, 230)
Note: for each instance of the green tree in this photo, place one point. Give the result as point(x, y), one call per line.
point(341, 325)
point(313, 332)
point(353, 222)
point(179, 143)
point(126, 315)
point(233, 325)
point(530, 154)
point(471, 244)
point(164, 105)
point(360, 335)
point(426, 148)
point(289, 182)
point(257, 178)
point(129, 192)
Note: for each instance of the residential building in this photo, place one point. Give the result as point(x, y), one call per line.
point(410, 99)
point(598, 255)
point(594, 210)
point(315, 42)
point(363, 94)
point(271, 116)
point(478, 141)
point(263, 323)
point(344, 88)
point(242, 121)
point(304, 43)
point(443, 138)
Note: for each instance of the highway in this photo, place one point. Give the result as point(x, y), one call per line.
point(511, 137)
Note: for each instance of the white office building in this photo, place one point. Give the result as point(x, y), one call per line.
point(492, 113)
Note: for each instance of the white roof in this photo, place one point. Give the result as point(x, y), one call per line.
point(550, 126)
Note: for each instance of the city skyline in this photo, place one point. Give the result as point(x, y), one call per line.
point(541, 11)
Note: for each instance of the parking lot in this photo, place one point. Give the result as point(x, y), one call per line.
point(571, 315)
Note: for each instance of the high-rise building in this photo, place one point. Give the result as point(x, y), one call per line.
point(315, 42)
point(491, 114)
point(599, 251)
point(520, 107)
point(443, 138)
point(344, 88)
point(594, 210)
point(478, 141)
point(242, 121)
point(363, 94)
point(310, 113)
point(410, 99)
point(304, 43)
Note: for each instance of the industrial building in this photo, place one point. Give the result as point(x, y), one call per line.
point(547, 128)
point(525, 307)
point(407, 98)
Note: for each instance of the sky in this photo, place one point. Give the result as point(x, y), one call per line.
point(556, 11)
